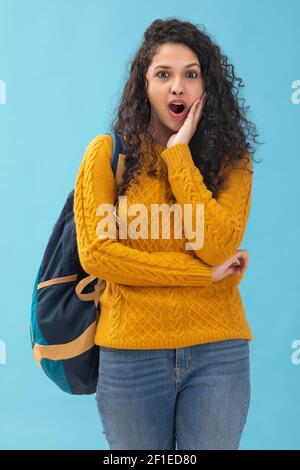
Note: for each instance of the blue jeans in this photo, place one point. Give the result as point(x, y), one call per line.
point(196, 397)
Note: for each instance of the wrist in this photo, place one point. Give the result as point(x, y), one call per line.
point(176, 143)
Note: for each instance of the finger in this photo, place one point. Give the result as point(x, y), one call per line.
point(201, 100)
point(200, 106)
point(242, 265)
point(196, 105)
point(194, 108)
point(236, 259)
point(197, 113)
point(242, 254)
point(231, 261)
point(244, 262)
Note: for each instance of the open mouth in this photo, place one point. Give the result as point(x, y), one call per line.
point(177, 111)
point(177, 108)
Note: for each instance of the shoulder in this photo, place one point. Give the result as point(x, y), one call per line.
point(100, 146)
point(96, 162)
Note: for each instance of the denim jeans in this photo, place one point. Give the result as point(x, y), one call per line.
point(196, 397)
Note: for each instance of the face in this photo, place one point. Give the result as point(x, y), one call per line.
point(176, 81)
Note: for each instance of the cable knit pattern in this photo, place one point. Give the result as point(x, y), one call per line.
point(224, 217)
point(158, 294)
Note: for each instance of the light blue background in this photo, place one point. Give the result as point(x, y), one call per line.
point(64, 64)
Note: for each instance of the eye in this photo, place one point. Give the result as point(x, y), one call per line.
point(194, 73)
point(158, 75)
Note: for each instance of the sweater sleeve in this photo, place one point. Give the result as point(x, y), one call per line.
point(224, 217)
point(104, 256)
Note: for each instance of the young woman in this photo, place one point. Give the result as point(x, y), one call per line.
point(173, 334)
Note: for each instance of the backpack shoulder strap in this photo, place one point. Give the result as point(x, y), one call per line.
point(118, 164)
point(118, 148)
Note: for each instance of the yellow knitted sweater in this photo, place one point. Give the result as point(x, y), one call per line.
point(158, 294)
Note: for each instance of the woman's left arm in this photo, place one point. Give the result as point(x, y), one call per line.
point(225, 217)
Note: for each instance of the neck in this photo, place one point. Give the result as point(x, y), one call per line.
point(160, 133)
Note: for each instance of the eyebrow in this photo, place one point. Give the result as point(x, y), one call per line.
point(168, 67)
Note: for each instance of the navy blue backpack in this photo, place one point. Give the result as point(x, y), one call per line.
point(63, 318)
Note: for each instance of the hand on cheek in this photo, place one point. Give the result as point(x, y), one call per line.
point(187, 130)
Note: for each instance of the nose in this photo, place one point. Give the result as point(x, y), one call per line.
point(177, 87)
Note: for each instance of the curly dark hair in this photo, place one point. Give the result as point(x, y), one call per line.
point(223, 135)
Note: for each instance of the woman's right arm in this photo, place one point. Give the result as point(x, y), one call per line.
point(109, 259)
